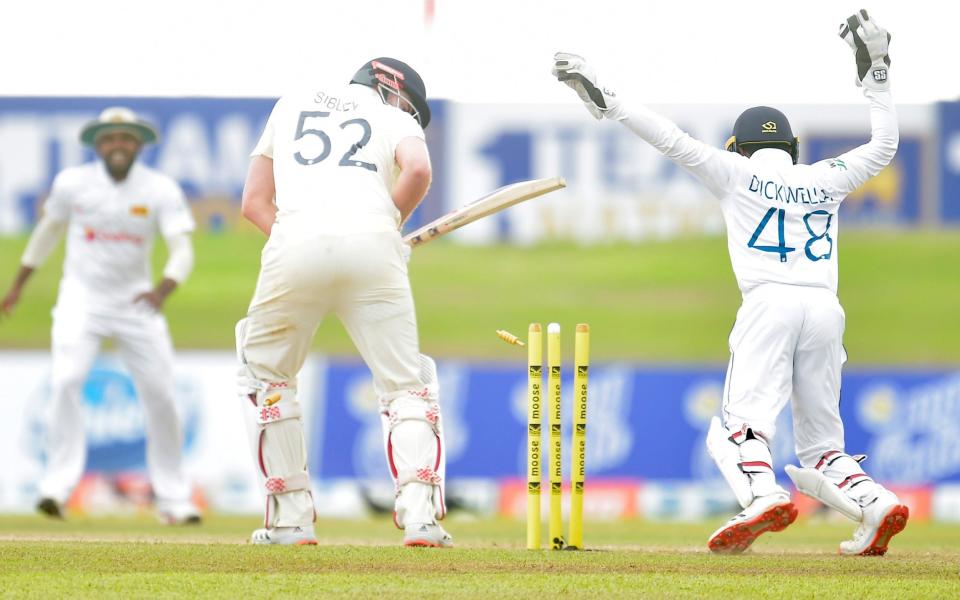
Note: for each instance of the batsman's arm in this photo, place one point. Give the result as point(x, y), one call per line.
point(45, 237)
point(415, 175)
point(259, 190)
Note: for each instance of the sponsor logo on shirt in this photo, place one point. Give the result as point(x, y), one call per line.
point(93, 235)
point(139, 210)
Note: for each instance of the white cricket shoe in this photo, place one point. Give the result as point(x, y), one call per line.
point(773, 512)
point(884, 518)
point(285, 536)
point(426, 535)
point(178, 513)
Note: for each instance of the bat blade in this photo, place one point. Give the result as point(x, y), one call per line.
point(493, 202)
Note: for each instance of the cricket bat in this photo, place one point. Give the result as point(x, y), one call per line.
point(493, 202)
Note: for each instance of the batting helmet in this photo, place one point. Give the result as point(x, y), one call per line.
point(763, 127)
point(390, 76)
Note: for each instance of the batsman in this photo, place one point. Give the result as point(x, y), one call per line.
point(335, 173)
point(787, 342)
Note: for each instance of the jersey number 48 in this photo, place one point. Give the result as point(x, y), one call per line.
point(781, 248)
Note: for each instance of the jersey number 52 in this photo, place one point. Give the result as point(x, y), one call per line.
point(781, 248)
point(347, 159)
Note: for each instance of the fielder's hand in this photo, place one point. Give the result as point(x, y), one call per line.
point(9, 302)
point(870, 43)
point(574, 71)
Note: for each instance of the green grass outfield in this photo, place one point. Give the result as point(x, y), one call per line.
point(658, 301)
point(135, 558)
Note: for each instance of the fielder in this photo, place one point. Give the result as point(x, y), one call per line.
point(335, 174)
point(110, 211)
point(782, 236)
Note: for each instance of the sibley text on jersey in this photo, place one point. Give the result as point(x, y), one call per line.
point(772, 190)
point(333, 102)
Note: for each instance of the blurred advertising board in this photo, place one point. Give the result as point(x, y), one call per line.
point(949, 151)
point(619, 188)
point(645, 436)
point(217, 456)
point(205, 144)
point(645, 422)
point(893, 197)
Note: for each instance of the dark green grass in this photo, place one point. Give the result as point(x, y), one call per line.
point(658, 301)
point(136, 558)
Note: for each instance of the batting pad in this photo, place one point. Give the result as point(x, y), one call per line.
point(413, 437)
point(282, 458)
point(744, 461)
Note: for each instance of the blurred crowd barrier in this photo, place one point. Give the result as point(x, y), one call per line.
point(645, 437)
point(619, 188)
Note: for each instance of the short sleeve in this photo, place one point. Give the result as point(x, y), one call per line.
point(57, 205)
point(264, 146)
point(174, 215)
point(406, 126)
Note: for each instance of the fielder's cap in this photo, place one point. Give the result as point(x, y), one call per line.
point(118, 118)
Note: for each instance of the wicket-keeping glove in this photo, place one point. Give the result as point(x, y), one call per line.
point(574, 71)
point(870, 43)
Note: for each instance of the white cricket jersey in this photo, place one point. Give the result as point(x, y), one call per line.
point(333, 152)
point(111, 231)
point(782, 222)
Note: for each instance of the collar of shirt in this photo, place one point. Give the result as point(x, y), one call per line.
point(772, 156)
point(131, 174)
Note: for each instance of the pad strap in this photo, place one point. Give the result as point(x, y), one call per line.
point(290, 483)
point(425, 475)
point(278, 412)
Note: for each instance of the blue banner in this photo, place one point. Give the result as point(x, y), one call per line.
point(949, 153)
point(205, 145)
point(892, 197)
point(645, 423)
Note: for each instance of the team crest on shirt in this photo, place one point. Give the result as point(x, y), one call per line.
point(838, 164)
point(139, 210)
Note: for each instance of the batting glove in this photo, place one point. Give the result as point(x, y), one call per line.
point(870, 43)
point(574, 71)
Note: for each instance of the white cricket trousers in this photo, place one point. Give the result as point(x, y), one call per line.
point(787, 343)
point(143, 341)
point(361, 278)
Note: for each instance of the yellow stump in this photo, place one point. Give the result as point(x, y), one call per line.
point(534, 421)
point(579, 451)
point(556, 458)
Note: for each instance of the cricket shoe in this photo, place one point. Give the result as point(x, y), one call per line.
point(426, 535)
point(884, 518)
point(285, 536)
point(178, 513)
point(50, 508)
point(773, 512)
